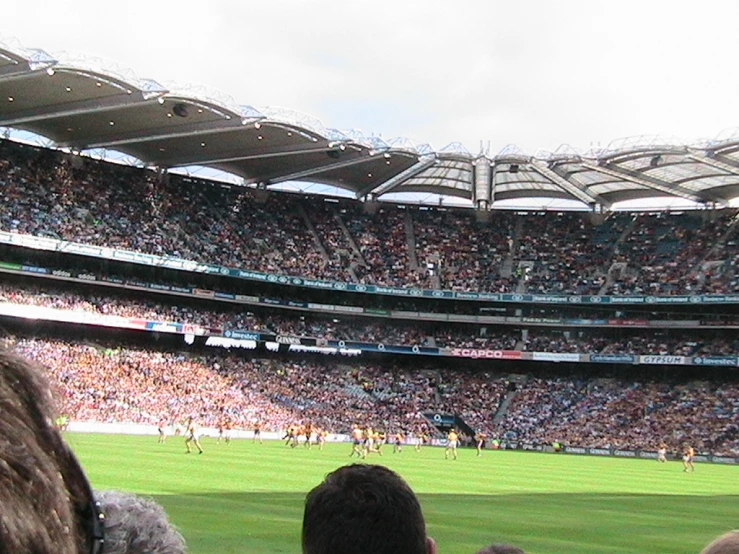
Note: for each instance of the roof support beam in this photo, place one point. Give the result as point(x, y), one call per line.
point(69, 109)
point(394, 182)
point(719, 162)
point(18, 72)
point(645, 181)
point(253, 154)
point(323, 168)
point(142, 136)
point(14, 70)
point(574, 189)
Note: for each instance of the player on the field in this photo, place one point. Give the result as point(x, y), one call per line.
point(179, 429)
point(162, 430)
point(192, 436)
point(688, 455)
point(227, 429)
point(292, 435)
point(378, 440)
point(368, 437)
point(480, 441)
point(257, 432)
point(452, 444)
point(308, 432)
point(357, 439)
point(662, 452)
point(321, 435)
point(398, 442)
point(422, 438)
point(221, 429)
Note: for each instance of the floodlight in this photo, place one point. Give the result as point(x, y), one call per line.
point(180, 110)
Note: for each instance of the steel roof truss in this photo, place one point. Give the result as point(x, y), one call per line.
point(145, 135)
point(719, 162)
point(255, 155)
point(70, 109)
point(394, 182)
point(574, 189)
point(322, 169)
point(646, 181)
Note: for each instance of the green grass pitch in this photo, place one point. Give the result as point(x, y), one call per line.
point(247, 497)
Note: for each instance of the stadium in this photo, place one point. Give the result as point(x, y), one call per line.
point(573, 342)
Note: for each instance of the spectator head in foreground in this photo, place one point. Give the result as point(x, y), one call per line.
point(135, 525)
point(46, 504)
point(364, 509)
point(501, 548)
point(725, 544)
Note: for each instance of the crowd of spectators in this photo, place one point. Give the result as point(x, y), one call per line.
point(144, 386)
point(44, 192)
point(611, 413)
point(472, 263)
point(663, 253)
point(375, 330)
point(564, 252)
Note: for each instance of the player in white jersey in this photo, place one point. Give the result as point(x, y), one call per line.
point(192, 436)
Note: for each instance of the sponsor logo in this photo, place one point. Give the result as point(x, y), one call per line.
point(575, 450)
point(487, 354)
point(252, 275)
point(241, 335)
point(516, 297)
point(272, 278)
point(223, 271)
point(61, 273)
point(438, 293)
point(600, 451)
point(625, 453)
point(727, 361)
point(416, 292)
point(552, 299)
point(555, 357)
point(34, 269)
point(287, 340)
point(360, 288)
point(611, 358)
point(650, 299)
point(203, 292)
point(724, 460)
point(666, 360)
point(163, 327)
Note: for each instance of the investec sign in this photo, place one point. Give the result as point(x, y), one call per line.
point(662, 360)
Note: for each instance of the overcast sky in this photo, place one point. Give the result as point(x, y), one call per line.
point(537, 74)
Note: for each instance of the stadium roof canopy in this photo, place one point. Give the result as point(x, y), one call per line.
point(85, 104)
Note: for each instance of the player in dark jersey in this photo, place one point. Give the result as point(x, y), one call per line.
point(257, 432)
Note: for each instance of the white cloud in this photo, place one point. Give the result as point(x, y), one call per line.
point(534, 73)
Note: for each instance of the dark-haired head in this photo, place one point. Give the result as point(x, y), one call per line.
point(364, 509)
